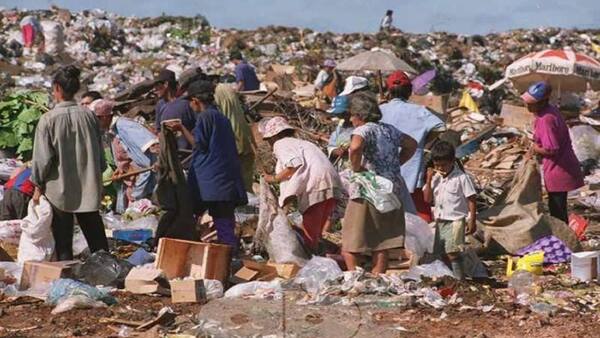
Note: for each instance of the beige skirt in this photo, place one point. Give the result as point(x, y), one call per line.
point(365, 229)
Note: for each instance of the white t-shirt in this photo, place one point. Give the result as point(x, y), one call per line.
point(450, 195)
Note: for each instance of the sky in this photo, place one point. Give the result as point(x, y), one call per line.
point(343, 16)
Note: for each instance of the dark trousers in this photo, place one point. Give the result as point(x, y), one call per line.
point(14, 205)
point(62, 229)
point(557, 203)
point(223, 214)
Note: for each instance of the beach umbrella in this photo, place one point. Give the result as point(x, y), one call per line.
point(375, 60)
point(564, 69)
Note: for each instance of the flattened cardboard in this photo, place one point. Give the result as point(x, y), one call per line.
point(144, 281)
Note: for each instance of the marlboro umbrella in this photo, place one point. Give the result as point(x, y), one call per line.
point(376, 60)
point(564, 69)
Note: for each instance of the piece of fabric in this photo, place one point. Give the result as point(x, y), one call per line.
point(561, 170)
point(14, 205)
point(62, 230)
point(340, 137)
point(557, 205)
point(417, 122)
point(173, 194)
point(555, 251)
point(382, 145)
point(226, 233)
point(68, 159)
point(314, 220)
point(450, 235)
point(176, 109)
point(215, 173)
point(322, 79)
point(423, 208)
point(245, 72)
point(21, 182)
point(451, 193)
point(230, 105)
point(365, 229)
point(315, 180)
point(28, 33)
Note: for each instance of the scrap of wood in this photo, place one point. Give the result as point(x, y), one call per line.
point(121, 321)
point(163, 318)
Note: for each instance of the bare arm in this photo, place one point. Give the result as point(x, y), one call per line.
point(281, 176)
point(427, 191)
point(240, 86)
point(409, 146)
point(356, 153)
point(472, 223)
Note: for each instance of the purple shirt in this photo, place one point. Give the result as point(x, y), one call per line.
point(561, 170)
point(245, 72)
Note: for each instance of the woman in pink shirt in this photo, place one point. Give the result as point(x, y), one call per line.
point(553, 144)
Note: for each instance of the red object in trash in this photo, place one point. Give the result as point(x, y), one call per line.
point(446, 292)
point(578, 224)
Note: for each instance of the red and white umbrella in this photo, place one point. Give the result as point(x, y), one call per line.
point(564, 69)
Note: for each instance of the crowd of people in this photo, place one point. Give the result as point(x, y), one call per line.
point(83, 151)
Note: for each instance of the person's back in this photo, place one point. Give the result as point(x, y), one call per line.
point(245, 72)
point(74, 135)
point(178, 109)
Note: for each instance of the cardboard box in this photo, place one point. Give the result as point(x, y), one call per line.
point(266, 271)
point(434, 102)
point(584, 265)
point(188, 291)
point(37, 274)
point(176, 258)
point(142, 281)
point(516, 116)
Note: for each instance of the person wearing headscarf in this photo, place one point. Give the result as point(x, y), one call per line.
point(229, 104)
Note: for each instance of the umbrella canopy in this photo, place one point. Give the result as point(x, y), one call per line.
point(564, 69)
point(374, 61)
point(420, 82)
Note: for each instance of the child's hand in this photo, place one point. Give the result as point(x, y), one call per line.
point(471, 226)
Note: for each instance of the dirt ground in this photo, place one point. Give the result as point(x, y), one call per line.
point(27, 317)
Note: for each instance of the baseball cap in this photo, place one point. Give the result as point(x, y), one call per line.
point(200, 88)
point(354, 83)
point(537, 92)
point(398, 79)
point(165, 75)
point(339, 105)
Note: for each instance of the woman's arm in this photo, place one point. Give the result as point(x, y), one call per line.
point(409, 146)
point(356, 153)
point(281, 176)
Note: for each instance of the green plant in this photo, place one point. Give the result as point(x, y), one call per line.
point(19, 114)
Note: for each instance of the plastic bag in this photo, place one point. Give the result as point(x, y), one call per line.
point(10, 231)
point(316, 272)
point(436, 269)
point(258, 290)
point(274, 231)
point(102, 268)
point(37, 242)
point(65, 288)
point(76, 302)
point(214, 289)
point(54, 39)
point(586, 142)
point(377, 190)
point(419, 237)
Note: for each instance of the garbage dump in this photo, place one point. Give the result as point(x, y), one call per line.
point(152, 226)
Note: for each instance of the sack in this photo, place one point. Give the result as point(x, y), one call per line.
point(54, 37)
point(376, 190)
point(37, 242)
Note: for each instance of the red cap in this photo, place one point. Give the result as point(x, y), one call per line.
point(398, 78)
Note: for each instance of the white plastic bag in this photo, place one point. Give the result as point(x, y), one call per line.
point(316, 272)
point(377, 190)
point(214, 289)
point(54, 38)
point(76, 302)
point(10, 231)
point(436, 269)
point(274, 231)
point(258, 290)
point(419, 237)
point(37, 242)
point(586, 142)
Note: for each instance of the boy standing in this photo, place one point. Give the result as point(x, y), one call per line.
point(453, 194)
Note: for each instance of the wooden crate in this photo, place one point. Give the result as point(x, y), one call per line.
point(177, 258)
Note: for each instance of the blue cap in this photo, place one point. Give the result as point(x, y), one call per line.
point(339, 105)
point(537, 92)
